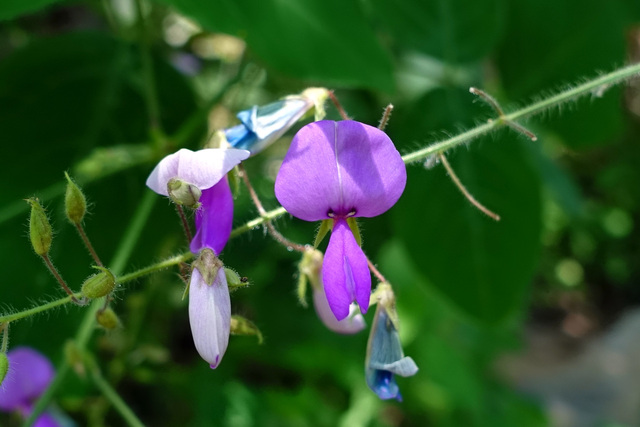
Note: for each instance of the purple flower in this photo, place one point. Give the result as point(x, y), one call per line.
point(337, 170)
point(385, 357)
point(198, 179)
point(28, 377)
point(311, 266)
point(209, 308)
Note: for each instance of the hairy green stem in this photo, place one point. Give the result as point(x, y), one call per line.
point(115, 399)
point(126, 247)
point(268, 216)
point(603, 82)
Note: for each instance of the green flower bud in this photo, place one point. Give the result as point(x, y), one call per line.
point(4, 366)
point(75, 204)
point(107, 318)
point(39, 228)
point(234, 280)
point(242, 326)
point(183, 193)
point(100, 284)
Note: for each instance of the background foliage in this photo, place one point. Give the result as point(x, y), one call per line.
point(76, 81)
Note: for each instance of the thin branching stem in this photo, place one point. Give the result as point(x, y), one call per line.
point(341, 110)
point(464, 190)
point(270, 228)
point(61, 281)
point(88, 244)
point(386, 115)
point(615, 77)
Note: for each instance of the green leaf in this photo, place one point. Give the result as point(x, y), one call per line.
point(10, 9)
point(455, 31)
point(325, 40)
point(484, 267)
point(62, 97)
point(579, 39)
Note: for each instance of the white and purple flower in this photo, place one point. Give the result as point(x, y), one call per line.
point(209, 308)
point(204, 172)
point(337, 170)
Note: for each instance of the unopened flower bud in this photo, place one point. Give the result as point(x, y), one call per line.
point(183, 193)
point(242, 326)
point(99, 284)
point(234, 280)
point(4, 366)
point(75, 204)
point(39, 228)
point(108, 318)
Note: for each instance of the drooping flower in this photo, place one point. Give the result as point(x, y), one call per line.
point(311, 267)
point(209, 308)
point(337, 170)
point(28, 377)
point(197, 179)
point(385, 357)
point(262, 125)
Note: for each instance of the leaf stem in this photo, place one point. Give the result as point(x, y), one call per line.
point(129, 416)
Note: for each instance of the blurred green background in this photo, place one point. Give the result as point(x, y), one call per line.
point(530, 321)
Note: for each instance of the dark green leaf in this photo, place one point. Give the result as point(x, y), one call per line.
point(484, 267)
point(325, 40)
point(455, 31)
point(10, 9)
point(550, 43)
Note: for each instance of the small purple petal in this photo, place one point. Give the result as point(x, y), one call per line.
point(210, 316)
point(354, 322)
point(28, 377)
point(202, 168)
point(345, 273)
point(342, 167)
point(214, 219)
point(47, 420)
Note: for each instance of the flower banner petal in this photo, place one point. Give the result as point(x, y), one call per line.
point(345, 273)
point(202, 168)
point(373, 175)
point(214, 219)
point(342, 167)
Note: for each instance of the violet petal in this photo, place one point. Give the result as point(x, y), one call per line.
point(202, 168)
point(210, 316)
point(214, 219)
point(340, 167)
point(345, 273)
point(28, 377)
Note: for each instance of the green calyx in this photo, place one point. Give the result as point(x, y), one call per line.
point(75, 204)
point(100, 284)
point(4, 366)
point(40, 230)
